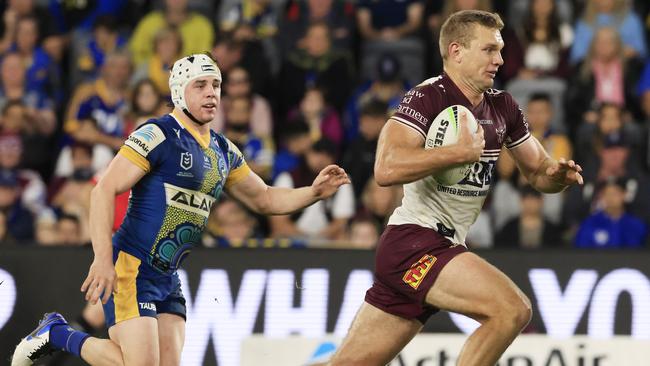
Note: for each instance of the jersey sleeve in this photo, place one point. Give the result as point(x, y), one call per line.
point(417, 109)
point(239, 170)
point(517, 128)
point(142, 147)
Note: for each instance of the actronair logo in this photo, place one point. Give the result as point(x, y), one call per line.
point(189, 200)
point(145, 139)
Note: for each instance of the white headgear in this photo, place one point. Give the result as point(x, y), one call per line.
point(187, 69)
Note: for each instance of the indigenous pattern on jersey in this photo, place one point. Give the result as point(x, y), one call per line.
point(452, 209)
point(169, 206)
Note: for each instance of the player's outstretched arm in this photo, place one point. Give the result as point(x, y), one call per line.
point(544, 173)
point(261, 198)
point(401, 157)
point(120, 176)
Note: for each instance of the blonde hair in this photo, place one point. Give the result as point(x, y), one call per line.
point(619, 11)
point(460, 25)
point(586, 68)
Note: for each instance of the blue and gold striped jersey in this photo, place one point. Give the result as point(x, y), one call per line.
point(169, 206)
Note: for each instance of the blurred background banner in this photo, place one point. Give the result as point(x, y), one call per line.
point(234, 293)
point(441, 350)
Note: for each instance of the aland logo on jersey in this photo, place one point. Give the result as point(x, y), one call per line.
point(414, 275)
point(189, 200)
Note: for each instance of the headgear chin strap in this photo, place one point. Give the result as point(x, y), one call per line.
point(184, 71)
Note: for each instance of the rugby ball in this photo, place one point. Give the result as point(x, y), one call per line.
point(444, 131)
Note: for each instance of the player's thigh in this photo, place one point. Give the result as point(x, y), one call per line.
point(138, 340)
point(171, 335)
point(375, 337)
point(470, 285)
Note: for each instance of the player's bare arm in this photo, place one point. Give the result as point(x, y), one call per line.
point(261, 198)
point(120, 176)
point(544, 173)
point(401, 157)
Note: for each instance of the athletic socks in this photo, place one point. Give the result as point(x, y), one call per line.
point(67, 338)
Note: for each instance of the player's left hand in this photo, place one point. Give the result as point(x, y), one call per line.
point(328, 181)
point(565, 172)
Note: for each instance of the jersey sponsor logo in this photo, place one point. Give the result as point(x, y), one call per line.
point(147, 306)
point(207, 163)
point(186, 160)
point(414, 275)
point(189, 200)
point(145, 139)
point(178, 132)
point(406, 110)
point(480, 175)
point(461, 192)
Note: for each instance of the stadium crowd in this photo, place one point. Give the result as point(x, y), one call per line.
point(308, 83)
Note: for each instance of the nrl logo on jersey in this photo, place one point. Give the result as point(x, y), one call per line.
point(186, 160)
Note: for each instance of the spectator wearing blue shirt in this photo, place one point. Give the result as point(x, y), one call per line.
point(609, 13)
point(611, 226)
point(295, 142)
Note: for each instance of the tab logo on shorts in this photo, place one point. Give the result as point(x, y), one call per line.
point(414, 275)
point(147, 306)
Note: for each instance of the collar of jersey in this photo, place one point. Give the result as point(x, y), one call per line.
point(203, 140)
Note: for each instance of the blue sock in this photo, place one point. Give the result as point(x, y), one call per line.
point(68, 339)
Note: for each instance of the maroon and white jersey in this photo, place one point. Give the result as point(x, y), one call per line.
point(452, 209)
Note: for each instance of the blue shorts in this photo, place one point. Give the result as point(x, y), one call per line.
point(142, 291)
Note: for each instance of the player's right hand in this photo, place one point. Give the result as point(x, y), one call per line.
point(102, 279)
point(472, 144)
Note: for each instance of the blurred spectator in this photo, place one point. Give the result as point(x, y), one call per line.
point(69, 230)
point(46, 231)
point(604, 77)
point(12, 87)
point(238, 85)
point(611, 146)
point(516, 10)
point(338, 14)
point(34, 132)
point(380, 202)
point(105, 39)
point(388, 20)
point(81, 15)
point(295, 141)
point(363, 232)
point(609, 13)
point(611, 226)
point(391, 26)
point(167, 49)
point(259, 16)
point(436, 12)
point(326, 220)
point(530, 230)
point(258, 151)
point(539, 46)
point(32, 188)
point(19, 221)
point(359, 158)
point(42, 74)
point(387, 87)
point(539, 113)
point(49, 36)
point(229, 225)
point(323, 120)
point(228, 52)
point(146, 103)
point(315, 65)
point(196, 30)
point(96, 114)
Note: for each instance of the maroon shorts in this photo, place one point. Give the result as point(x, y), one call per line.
point(407, 263)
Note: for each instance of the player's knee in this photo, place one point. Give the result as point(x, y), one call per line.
point(517, 314)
